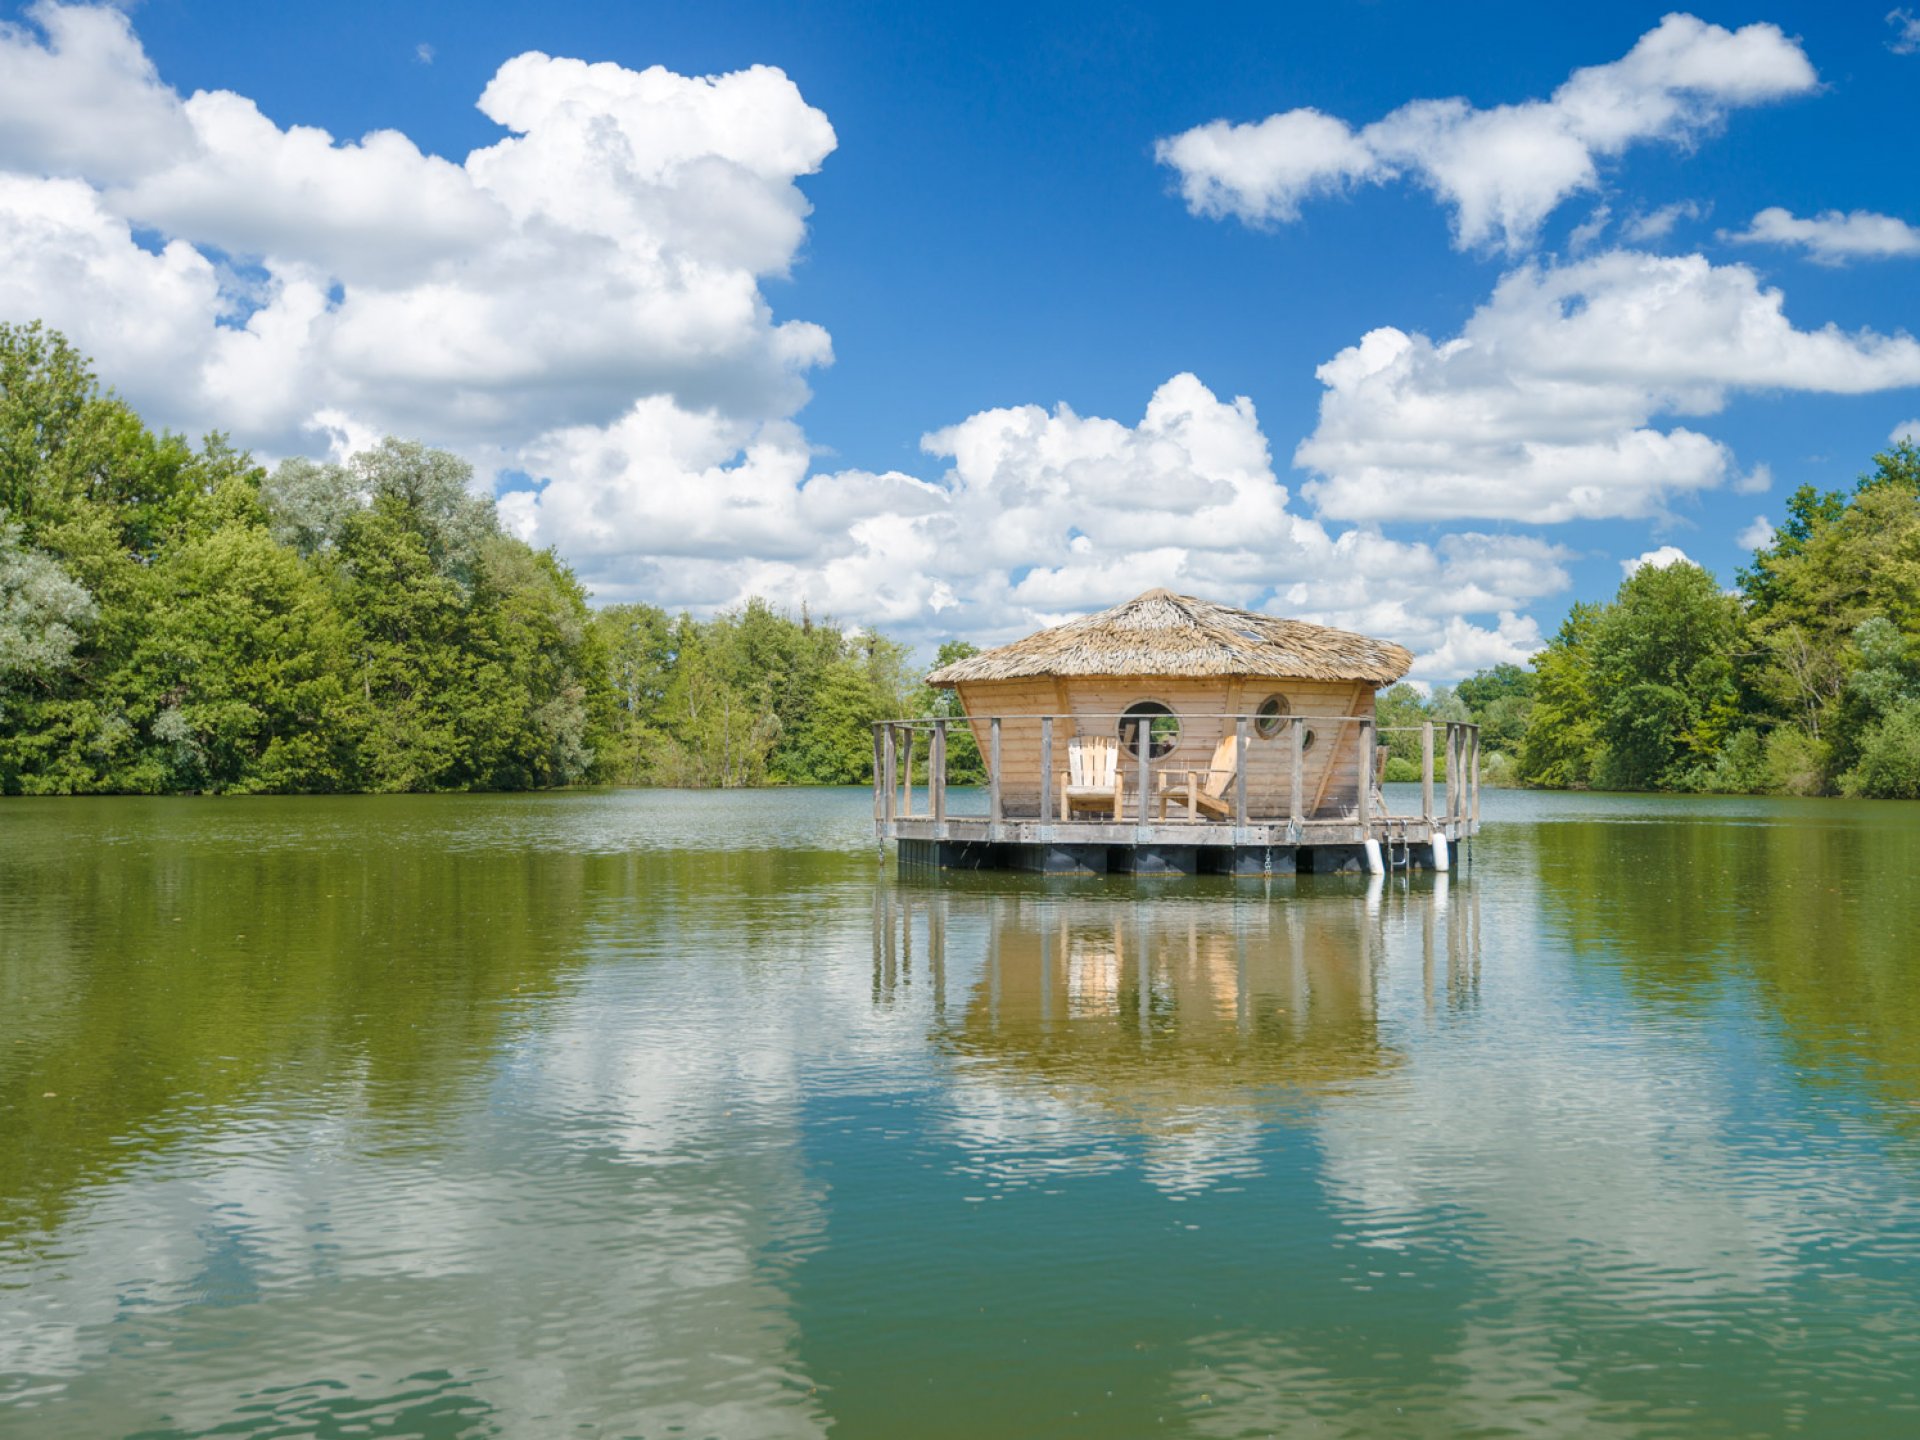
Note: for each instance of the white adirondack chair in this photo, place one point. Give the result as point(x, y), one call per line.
point(1092, 779)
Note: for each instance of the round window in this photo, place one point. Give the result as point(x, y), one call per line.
point(1158, 720)
point(1271, 717)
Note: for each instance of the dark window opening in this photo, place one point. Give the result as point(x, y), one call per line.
point(1158, 720)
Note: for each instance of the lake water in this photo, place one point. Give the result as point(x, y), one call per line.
point(652, 1114)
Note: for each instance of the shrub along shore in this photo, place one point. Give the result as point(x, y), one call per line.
point(179, 619)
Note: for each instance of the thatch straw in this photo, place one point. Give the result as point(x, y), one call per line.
point(1160, 633)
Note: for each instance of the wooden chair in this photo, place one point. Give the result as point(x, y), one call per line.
point(1204, 792)
point(1092, 779)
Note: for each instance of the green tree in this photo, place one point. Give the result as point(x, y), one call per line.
point(43, 613)
point(836, 745)
point(1663, 669)
point(1501, 700)
point(637, 641)
point(1562, 743)
point(240, 680)
point(543, 688)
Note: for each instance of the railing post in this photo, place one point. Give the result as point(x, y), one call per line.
point(1143, 756)
point(1453, 771)
point(937, 774)
point(993, 770)
point(1046, 769)
point(1460, 791)
point(1426, 772)
point(887, 737)
point(1296, 802)
point(879, 768)
point(1239, 772)
point(1364, 810)
point(906, 805)
point(1460, 795)
point(1476, 777)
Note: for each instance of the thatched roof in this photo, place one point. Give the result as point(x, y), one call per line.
point(1160, 633)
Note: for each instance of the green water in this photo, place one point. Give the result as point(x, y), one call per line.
point(656, 1114)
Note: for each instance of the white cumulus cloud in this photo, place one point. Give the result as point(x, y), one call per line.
point(1261, 172)
point(1040, 515)
point(1757, 535)
point(1500, 170)
point(1541, 409)
point(1832, 238)
point(1660, 559)
point(609, 247)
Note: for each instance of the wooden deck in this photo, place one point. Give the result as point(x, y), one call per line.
point(1301, 827)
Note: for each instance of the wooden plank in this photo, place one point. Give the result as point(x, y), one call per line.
point(879, 805)
point(1240, 771)
point(1426, 772)
point(993, 772)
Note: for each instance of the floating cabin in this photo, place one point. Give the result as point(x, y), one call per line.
point(1173, 735)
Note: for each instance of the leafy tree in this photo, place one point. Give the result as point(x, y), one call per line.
point(836, 745)
point(49, 422)
point(1663, 670)
point(1562, 742)
point(1888, 767)
point(310, 505)
point(43, 613)
point(543, 677)
point(1501, 700)
point(638, 643)
point(241, 680)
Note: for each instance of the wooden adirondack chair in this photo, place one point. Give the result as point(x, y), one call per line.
point(1205, 793)
point(1092, 779)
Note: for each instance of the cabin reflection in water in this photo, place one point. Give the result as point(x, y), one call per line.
point(1162, 1005)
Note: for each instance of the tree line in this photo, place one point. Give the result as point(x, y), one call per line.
point(1804, 679)
point(178, 619)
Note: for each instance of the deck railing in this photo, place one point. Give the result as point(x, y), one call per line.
point(1454, 764)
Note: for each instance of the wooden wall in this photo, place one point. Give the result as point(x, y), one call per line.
point(1332, 765)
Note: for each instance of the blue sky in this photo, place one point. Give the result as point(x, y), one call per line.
point(997, 222)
